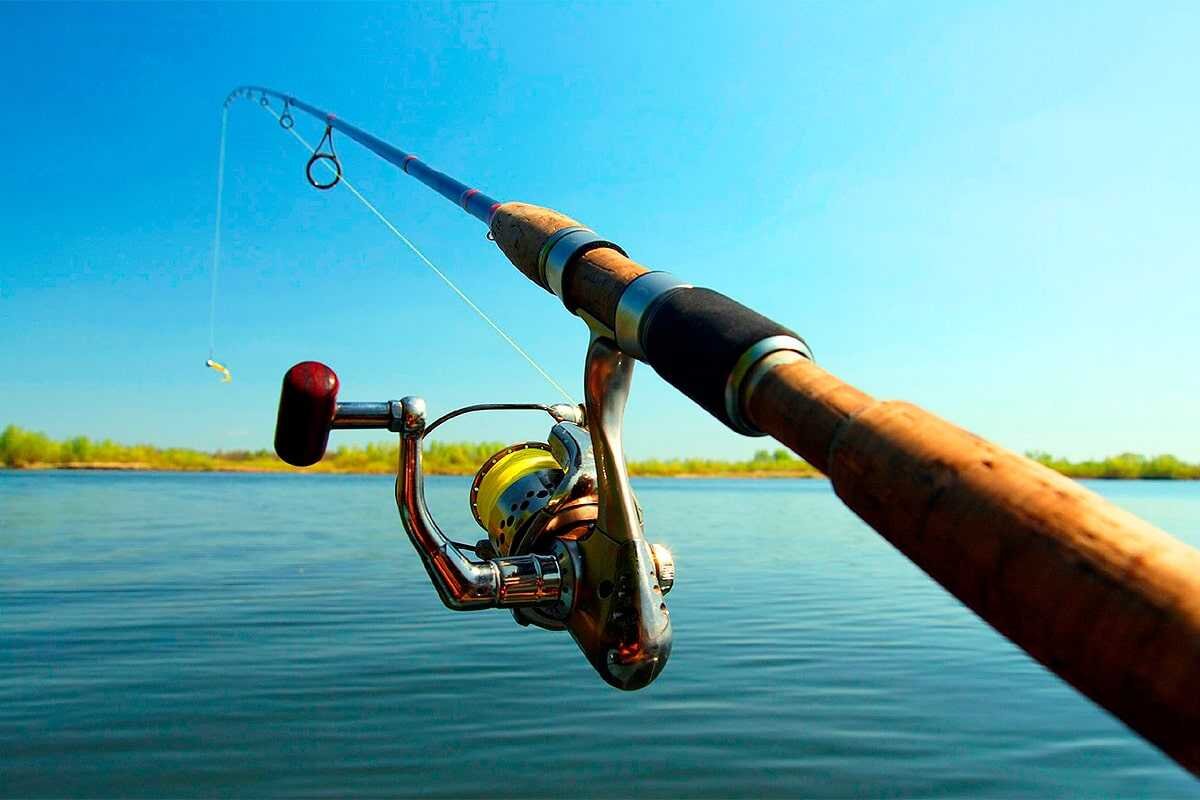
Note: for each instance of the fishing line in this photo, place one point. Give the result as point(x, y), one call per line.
point(216, 260)
point(408, 243)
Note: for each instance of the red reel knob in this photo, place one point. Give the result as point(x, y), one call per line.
point(307, 404)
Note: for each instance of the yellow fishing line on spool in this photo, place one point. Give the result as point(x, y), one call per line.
point(504, 473)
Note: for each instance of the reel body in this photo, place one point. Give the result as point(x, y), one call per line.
point(564, 546)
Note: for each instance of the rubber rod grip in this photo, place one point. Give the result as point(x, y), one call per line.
point(694, 339)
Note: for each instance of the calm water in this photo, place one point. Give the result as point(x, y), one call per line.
point(272, 635)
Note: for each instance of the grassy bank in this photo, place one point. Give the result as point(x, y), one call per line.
point(1126, 466)
point(23, 449)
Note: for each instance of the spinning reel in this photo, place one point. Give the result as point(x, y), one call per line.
point(565, 548)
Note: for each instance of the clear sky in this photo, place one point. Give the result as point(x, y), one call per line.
point(989, 209)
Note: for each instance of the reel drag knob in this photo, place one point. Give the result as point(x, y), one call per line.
point(307, 404)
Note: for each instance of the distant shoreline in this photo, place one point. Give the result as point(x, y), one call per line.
point(22, 449)
point(233, 469)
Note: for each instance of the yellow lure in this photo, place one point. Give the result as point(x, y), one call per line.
point(221, 368)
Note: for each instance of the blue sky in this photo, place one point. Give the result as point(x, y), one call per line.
point(988, 209)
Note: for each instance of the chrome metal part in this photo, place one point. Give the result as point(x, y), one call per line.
point(560, 249)
point(608, 374)
point(735, 387)
point(550, 242)
point(664, 564)
point(566, 412)
point(528, 580)
point(571, 446)
point(358, 416)
point(619, 619)
point(558, 411)
point(597, 327)
point(553, 616)
point(461, 583)
point(636, 305)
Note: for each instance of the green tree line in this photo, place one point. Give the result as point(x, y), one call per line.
point(20, 449)
point(1122, 466)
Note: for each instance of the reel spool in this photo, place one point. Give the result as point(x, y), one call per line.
point(510, 488)
point(565, 548)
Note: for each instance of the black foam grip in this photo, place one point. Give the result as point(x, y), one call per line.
point(693, 339)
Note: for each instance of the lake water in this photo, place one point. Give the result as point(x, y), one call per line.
point(267, 635)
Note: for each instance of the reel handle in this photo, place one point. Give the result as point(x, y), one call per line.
point(307, 406)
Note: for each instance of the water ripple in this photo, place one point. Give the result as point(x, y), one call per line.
point(295, 649)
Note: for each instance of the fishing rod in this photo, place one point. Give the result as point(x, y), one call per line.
point(474, 202)
point(1108, 602)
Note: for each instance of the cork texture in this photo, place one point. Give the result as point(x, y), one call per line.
point(520, 230)
point(593, 283)
point(1105, 600)
point(808, 403)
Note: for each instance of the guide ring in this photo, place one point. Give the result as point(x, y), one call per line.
point(285, 121)
point(337, 167)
